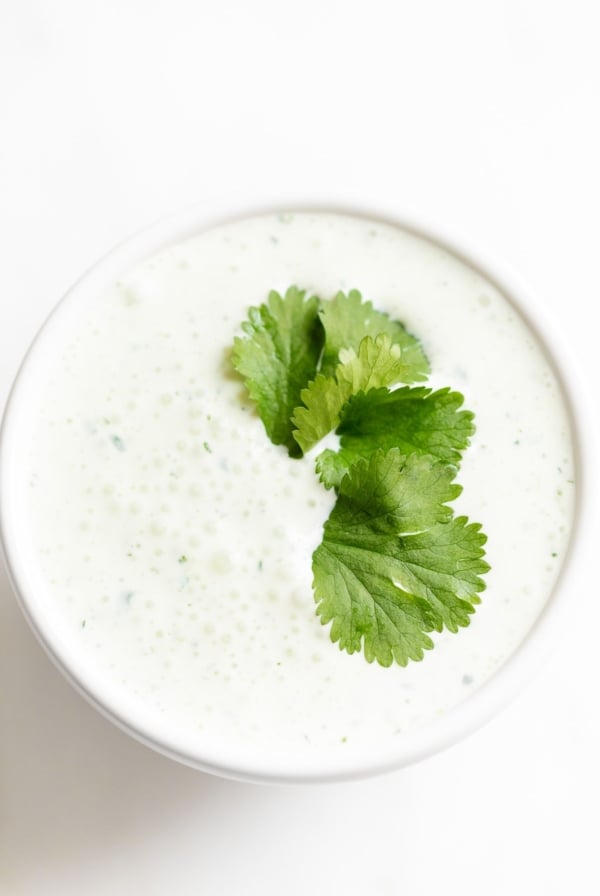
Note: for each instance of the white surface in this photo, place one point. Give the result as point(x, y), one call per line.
point(480, 116)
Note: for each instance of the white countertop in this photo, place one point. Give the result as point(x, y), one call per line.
point(482, 117)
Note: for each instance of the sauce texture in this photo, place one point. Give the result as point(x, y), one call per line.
point(177, 539)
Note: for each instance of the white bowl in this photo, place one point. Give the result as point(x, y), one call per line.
point(238, 762)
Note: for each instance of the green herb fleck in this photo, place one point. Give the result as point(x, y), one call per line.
point(118, 442)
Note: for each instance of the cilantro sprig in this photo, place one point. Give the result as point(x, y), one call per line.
point(378, 362)
point(414, 420)
point(394, 564)
point(347, 319)
point(279, 356)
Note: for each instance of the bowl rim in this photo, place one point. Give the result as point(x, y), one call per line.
point(460, 720)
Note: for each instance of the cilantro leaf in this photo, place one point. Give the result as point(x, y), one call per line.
point(394, 564)
point(392, 567)
point(347, 320)
point(379, 362)
point(413, 419)
point(278, 357)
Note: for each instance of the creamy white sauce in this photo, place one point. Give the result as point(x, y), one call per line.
point(177, 539)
